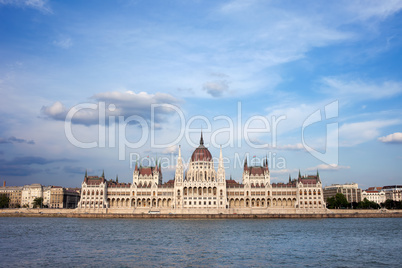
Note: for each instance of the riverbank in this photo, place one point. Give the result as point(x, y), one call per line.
point(65, 213)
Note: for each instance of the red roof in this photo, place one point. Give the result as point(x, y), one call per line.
point(146, 171)
point(201, 154)
point(94, 180)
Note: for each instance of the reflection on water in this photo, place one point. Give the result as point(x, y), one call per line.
point(200, 243)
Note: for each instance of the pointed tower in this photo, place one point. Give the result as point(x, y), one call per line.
point(117, 178)
point(290, 180)
point(136, 174)
point(245, 164)
point(179, 168)
point(86, 174)
point(221, 168)
point(103, 174)
point(299, 175)
point(201, 139)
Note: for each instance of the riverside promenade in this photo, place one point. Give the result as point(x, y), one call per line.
point(334, 213)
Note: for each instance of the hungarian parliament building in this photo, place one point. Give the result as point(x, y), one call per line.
point(202, 190)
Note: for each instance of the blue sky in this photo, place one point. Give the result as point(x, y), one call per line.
point(212, 60)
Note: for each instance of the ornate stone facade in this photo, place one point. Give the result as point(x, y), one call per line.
point(202, 189)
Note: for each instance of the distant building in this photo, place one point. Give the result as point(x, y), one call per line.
point(202, 189)
point(71, 198)
point(393, 192)
point(63, 198)
point(56, 197)
point(374, 194)
point(30, 192)
point(13, 193)
point(351, 191)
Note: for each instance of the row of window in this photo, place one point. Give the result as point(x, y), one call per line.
point(88, 192)
point(310, 203)
point(309, 192)
point(200, 198)
point(200, 203)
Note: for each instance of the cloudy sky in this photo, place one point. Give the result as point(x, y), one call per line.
point(99, 85)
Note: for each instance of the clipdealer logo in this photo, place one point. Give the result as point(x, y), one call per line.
point(237, 132)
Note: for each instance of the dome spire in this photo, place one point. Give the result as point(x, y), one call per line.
point(201, 140)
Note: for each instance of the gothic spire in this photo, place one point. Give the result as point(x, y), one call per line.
point(103, 174)
point(201, 140)
point(299, 174)
point(220, 158)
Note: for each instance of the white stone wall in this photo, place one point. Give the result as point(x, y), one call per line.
point(378, 197)
point(93, 196)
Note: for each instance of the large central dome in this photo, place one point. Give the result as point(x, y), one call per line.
point(201, 153)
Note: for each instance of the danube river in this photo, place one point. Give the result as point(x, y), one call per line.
point(200, 243)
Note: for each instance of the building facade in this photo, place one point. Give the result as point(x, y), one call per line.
point(63, 198)
point(374, 194)
point(30, 192)
point(393, 192)
point(351, 191)
point(201, 189)
point(14, 193)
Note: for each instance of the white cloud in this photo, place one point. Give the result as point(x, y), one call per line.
point(63, 42)
point(364, 90)
point(216, 88)
point(171, 150)
point(288, 147)
point(56, 111)
point(352, 134)
point(328, 167)
point(368, 9)
point(40, 5)
point(116, 103)
point(392, 138)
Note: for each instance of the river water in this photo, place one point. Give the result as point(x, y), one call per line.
point(49, 242)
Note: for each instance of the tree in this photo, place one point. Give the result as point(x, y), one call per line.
point(391, 204)
point(38, 202)
point(4, 201)
point(365, 204)
point(337, 201)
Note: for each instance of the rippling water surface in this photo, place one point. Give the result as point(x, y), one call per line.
point(200, 243)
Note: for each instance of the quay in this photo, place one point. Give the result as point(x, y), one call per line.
point(66, 213)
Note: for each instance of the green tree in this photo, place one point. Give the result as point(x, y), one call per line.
point(4, 201)
point(38, 202)
point(391, 204)
point(337, 201)
point(366, 204)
